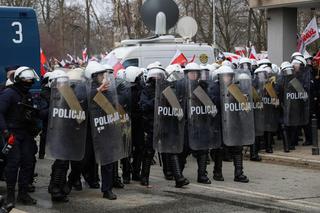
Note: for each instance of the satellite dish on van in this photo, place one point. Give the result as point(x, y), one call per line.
point(187, 27)
point(151, 8)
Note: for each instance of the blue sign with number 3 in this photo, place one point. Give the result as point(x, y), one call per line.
point(19, 39)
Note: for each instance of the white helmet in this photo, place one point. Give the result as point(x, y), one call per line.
point(173, 71)
point(295, 54)
point(107, 67)
point(225, 70)
point(264, 61)
point(227, 63)
point(94, 67)
point(192, 67)
point(299, 60)
point(156, 64)
point(216, 65)
point(260, 69)
point(47, 75)
point(132, 73)
point(57, 74)
point(25, 73)
point(121, 74)
point(264, 68)
point(244, 60)
point(155, 72)
point(76, 74)
point(286, 67)
point(173, 68)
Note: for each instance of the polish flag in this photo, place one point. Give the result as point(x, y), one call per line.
point(114, 62)
point(317, 57)
point(240, 51)
point(253, 53)
point(43, 61)
point(179, 58)
point(85, 55)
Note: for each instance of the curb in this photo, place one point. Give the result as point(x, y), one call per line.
point(289, 161)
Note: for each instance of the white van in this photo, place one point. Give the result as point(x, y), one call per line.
point(141, 53)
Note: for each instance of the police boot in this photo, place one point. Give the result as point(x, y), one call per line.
point(126, 170)
point(202, 169)
point(268, 142)
point(254, 151)
point(136, 168)
point(109, 195)
point(175, 165)
point(285, 139)
point(57, 187)
point(74, 178)
point(217, 156)
point(117, 183)
point(238, 169)
point(92, 177)
point(146, 166)
point(24, 198)
point(167, 171)
point(11, 198)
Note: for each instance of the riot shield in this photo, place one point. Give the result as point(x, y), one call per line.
point(67, 125)
point(169, 118)
point(236, 109)
point(124, 109)
point(258, 107)
point(271, 105)
point(296, 99)
point(203, 118)
point(105, 120)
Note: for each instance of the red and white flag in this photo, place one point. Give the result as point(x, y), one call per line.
point(317, 57)
point(114, 62)
point(231, 56)
point(240, 51)
point(253, 53)
point(43, 61)
point(179, 58)
point(85, 55)
point(309, 35)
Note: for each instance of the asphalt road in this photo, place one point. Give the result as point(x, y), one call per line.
point(272, 188)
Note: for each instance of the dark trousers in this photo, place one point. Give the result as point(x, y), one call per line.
point(42, 144)
point(89, 167)
point(106, 177)
point(20, 159)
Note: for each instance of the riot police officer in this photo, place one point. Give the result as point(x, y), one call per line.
point(18, 129)
point(201, 112)
point(169, 124)
point(295, 99)
point(66, 132)
point(237, 115)
point(106, 123)
point(134, 75)
point(147, 101)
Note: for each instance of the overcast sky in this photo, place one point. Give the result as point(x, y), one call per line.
point(100, 6)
